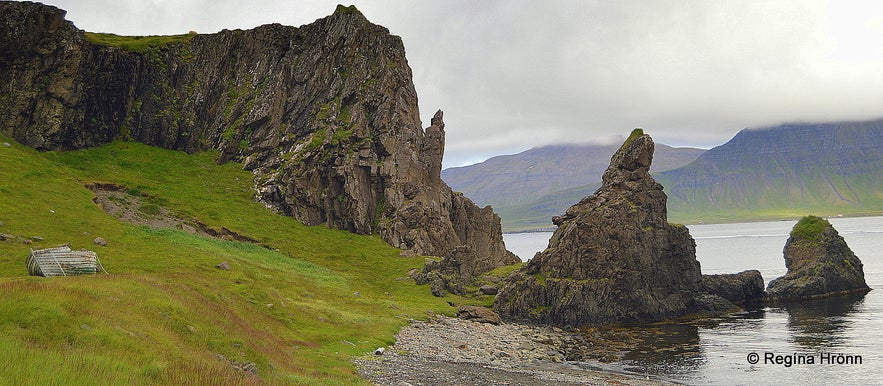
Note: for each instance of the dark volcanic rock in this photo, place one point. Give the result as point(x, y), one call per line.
point(478, 314)
point(614, 257)
point(819, 263)
point(739, 288)
point(325, 115)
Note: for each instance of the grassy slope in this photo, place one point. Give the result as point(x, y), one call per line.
point(164, 314)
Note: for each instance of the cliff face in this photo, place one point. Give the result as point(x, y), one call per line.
point(325, 115)
point(614, 258)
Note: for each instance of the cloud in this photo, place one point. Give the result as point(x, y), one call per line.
point(515, 74)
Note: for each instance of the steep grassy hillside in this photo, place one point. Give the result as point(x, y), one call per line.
point(298, 309)
point(786, 171)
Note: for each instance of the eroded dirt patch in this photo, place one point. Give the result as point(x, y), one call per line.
point(138, 208)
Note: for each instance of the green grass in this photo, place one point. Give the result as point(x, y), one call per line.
point(135, 43)
point(809, 228)
point(299, 309)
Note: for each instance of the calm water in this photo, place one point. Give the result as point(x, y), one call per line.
point(716, 351)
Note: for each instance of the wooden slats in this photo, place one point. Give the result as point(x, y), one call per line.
point(62, 261)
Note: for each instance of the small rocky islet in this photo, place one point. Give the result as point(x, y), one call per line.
point(330, 129)
point(610, 262)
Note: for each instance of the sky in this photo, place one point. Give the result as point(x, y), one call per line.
point(515, 74)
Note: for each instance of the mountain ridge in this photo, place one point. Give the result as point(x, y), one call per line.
point(784, 170)
point(530, 187)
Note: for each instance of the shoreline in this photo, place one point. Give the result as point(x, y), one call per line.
point(450, 351)
point(721, 222)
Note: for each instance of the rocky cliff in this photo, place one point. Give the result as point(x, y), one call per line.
point(325, 115)
point(819, 263)
point(614, 257)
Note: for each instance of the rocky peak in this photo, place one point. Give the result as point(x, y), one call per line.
point(325, 115)
point(613, 258)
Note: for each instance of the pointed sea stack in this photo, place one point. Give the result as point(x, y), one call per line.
point(819, 264)
point(614, 258)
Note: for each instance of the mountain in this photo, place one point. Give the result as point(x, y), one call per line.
point(325, 116)
point(783, 171)
point(530, 187)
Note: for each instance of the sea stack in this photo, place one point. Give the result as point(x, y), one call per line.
point(614, 257)
point(819, 264)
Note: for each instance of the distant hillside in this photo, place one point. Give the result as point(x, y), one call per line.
point(783, 171)
point(528, 188)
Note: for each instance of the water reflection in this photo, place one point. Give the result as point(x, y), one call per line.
point(822, 323)
point(667, 349)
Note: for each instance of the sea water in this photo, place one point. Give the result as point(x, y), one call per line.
point(832, 341)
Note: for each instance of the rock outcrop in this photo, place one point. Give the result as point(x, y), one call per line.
point(614, 257)
point(325, 115)
point(819, 264)
point(739, 288)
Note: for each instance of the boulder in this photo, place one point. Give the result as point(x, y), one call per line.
point(739, 288)
point(614, 257)
point(488, 289)
point(100, 241)
point(478, 314)
point(819, 264)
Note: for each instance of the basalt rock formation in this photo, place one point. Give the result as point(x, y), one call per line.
point(614, 258)
point(819, 264)
point(739, 288)
point(325, 115)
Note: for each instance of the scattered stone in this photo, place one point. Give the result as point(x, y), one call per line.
point(437, 287)
point(379, 351)
point(6, 236)
point(7, 144)
point(819, 263)
point(478, 314)
point(27, 241)
point(250, 367)
point(100, 241)
point(85, 327)
point(446, 351)
point(37, 238)
point(223, 266)
point(191, 328)
point(488, 289)
point(739, 288)
point(614, 257)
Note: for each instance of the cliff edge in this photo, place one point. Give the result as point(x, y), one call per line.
point(325, 115)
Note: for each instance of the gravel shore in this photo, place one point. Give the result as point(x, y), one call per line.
point(449, 351)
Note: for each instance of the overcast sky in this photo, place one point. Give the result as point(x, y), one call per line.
point(511, 75)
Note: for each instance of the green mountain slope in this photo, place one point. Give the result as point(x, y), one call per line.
point(528, 188)
point(298, 308)
point(783, 171)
